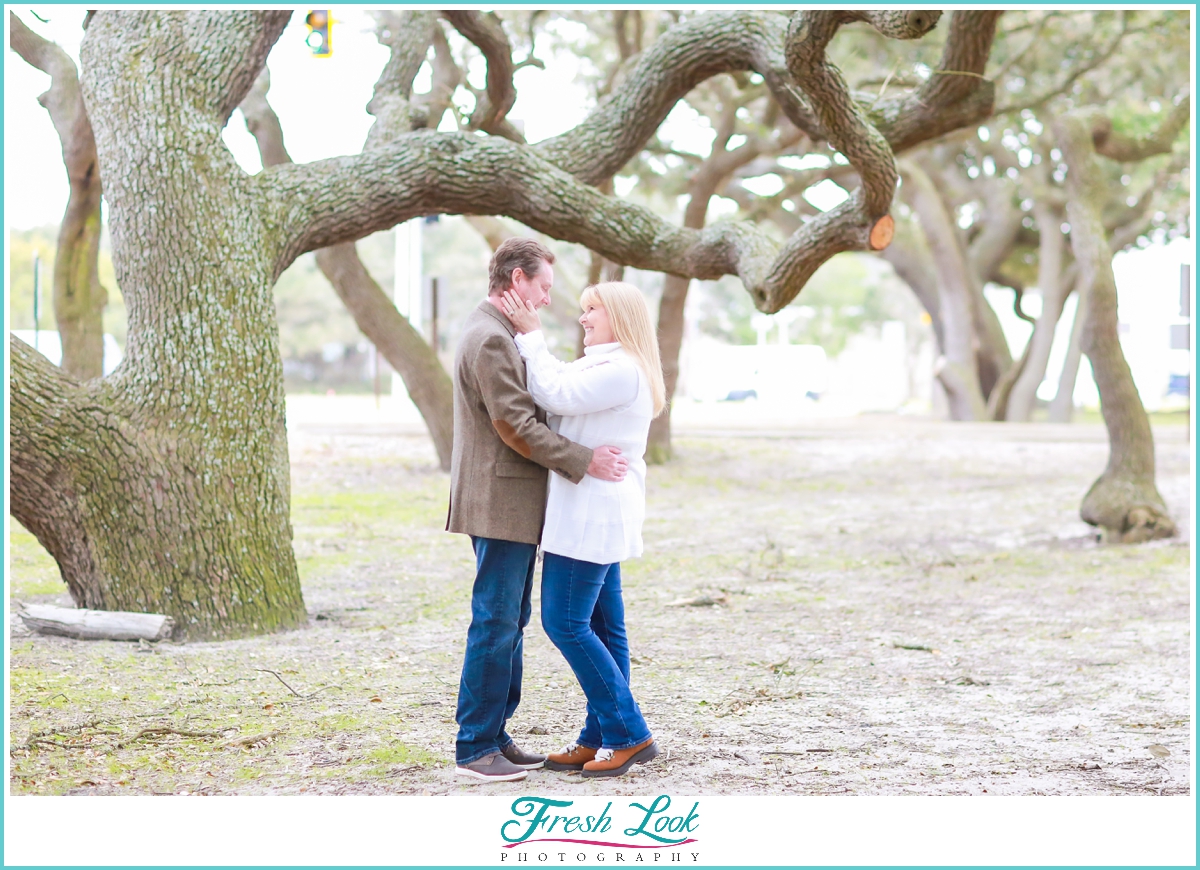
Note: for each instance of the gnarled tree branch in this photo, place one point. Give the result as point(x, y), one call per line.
point(1123, 147)
point(409, 35)
point(546, 187)
point(486, 31)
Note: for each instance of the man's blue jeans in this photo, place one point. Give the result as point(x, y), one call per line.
point(584, 616)
point(490, 687)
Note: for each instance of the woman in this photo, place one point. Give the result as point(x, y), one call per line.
point(609, 396)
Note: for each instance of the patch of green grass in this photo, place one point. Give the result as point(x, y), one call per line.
point(344, 723)
point(385, 511)
point(400, 753)
point(34, 571)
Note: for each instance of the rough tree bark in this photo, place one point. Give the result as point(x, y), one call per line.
point(165, 487)
point(1124, 501)
point(79, 298)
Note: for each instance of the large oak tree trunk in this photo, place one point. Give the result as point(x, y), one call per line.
point(79, 298)
point(165, 487)
point(1124, 501)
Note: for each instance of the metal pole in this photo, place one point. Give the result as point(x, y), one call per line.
point(375, 350)
point(433, 314)
point(37, 292)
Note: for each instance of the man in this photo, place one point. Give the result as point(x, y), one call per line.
point(502, 448)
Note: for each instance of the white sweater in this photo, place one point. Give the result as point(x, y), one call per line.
point(602, 399)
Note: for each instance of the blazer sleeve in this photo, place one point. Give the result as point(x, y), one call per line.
point(514, 415)
point(568, 390)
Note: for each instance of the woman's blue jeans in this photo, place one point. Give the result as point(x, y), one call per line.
point(584, 616)
point(490, 687)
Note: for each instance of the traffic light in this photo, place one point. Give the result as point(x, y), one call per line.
point(319, 26)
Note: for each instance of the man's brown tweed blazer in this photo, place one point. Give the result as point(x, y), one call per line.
point(502, 445)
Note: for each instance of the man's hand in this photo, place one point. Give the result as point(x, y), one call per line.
point(608, 464)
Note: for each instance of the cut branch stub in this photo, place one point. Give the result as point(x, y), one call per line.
point(849, 130)
point(882, 232)
point(899, 23)
point(862, 222)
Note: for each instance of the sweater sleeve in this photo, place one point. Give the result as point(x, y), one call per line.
point(568, 390)
point(511, 409)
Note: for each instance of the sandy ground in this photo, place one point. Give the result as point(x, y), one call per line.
point(879, 605)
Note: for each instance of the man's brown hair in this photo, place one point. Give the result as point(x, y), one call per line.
point(518, 253)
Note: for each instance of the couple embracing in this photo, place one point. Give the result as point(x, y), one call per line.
point(573, 482)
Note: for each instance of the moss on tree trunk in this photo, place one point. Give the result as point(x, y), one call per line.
point(165, 487)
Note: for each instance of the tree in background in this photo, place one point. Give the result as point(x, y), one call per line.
point(78, 296)
point(991, 208)
point(973, 203)
point(1124, 500)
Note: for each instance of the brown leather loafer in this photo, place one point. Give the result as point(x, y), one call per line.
point(570, 757)
point(614, 762)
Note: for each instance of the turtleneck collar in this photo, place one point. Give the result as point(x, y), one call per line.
point(602, 348)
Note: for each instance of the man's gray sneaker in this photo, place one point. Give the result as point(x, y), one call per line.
point(491, 768)
point(521, 758)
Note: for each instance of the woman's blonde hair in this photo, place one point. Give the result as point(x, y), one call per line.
point(629, 317)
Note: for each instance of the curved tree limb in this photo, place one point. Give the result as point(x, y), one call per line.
point(955, 95)
point(409, 35)
point(1119, 146)
point(850, 132)
point(721, 42)
point(461, 174)
point(346, 198)
point(486, 31)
